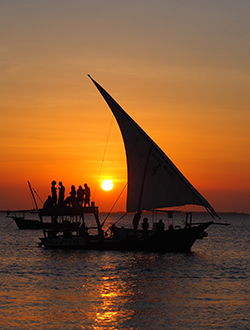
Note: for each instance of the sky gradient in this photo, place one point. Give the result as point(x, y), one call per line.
point(180, 69)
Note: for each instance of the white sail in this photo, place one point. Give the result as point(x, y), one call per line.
point(153, 180)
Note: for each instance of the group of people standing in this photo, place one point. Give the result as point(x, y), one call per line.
point(80, 197)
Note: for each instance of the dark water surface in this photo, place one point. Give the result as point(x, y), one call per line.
point(206, 289)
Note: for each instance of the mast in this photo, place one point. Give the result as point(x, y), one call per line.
point(33, 196)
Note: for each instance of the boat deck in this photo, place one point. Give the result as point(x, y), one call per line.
point(68, 211)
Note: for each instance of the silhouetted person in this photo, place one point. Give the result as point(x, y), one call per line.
point(80, 195)
point(83, 230)
point(145, 228)
point(61, 194)
point(48, 203)
point(87, 195)
point(170, 227)
point(136, 220)
point(72, 195)
point(114, 231)
point(122, 234)
point(53, 192)
point(160, 225)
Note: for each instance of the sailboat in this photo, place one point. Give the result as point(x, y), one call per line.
point(21, 220)
point(154, 183)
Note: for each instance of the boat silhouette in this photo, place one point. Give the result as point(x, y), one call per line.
point(154, 183)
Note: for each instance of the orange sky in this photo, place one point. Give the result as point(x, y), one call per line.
point(180, 69)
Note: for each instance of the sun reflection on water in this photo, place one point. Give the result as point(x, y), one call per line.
point(113, 299)
point(111, 293)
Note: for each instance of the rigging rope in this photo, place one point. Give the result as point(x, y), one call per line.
point(37, 195)
point(122, 192)
point(103, 156)
point(121, 217)
point(114, 205)
point(32, 200)
point(117, 221)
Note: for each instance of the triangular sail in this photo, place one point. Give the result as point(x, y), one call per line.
point(153, 180)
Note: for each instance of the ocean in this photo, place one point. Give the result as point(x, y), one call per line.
point(208, 288)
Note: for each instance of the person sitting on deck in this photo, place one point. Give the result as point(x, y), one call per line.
point(48, 203)
point(170, 227)
point(83, 230)
point(160, 225)
point(122, 234)
point(87, 195)
point(145, 228)
point(69, 201)
point(80, 195)
point(114, 231)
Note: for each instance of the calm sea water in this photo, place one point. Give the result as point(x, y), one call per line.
point(206, 289)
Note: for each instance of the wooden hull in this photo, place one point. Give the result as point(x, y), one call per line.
point(178, 240)
point(23, 223)
point(27, 223)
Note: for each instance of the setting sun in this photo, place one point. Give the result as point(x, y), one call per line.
point(107, 185)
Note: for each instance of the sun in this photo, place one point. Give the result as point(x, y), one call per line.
point(107, 185)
